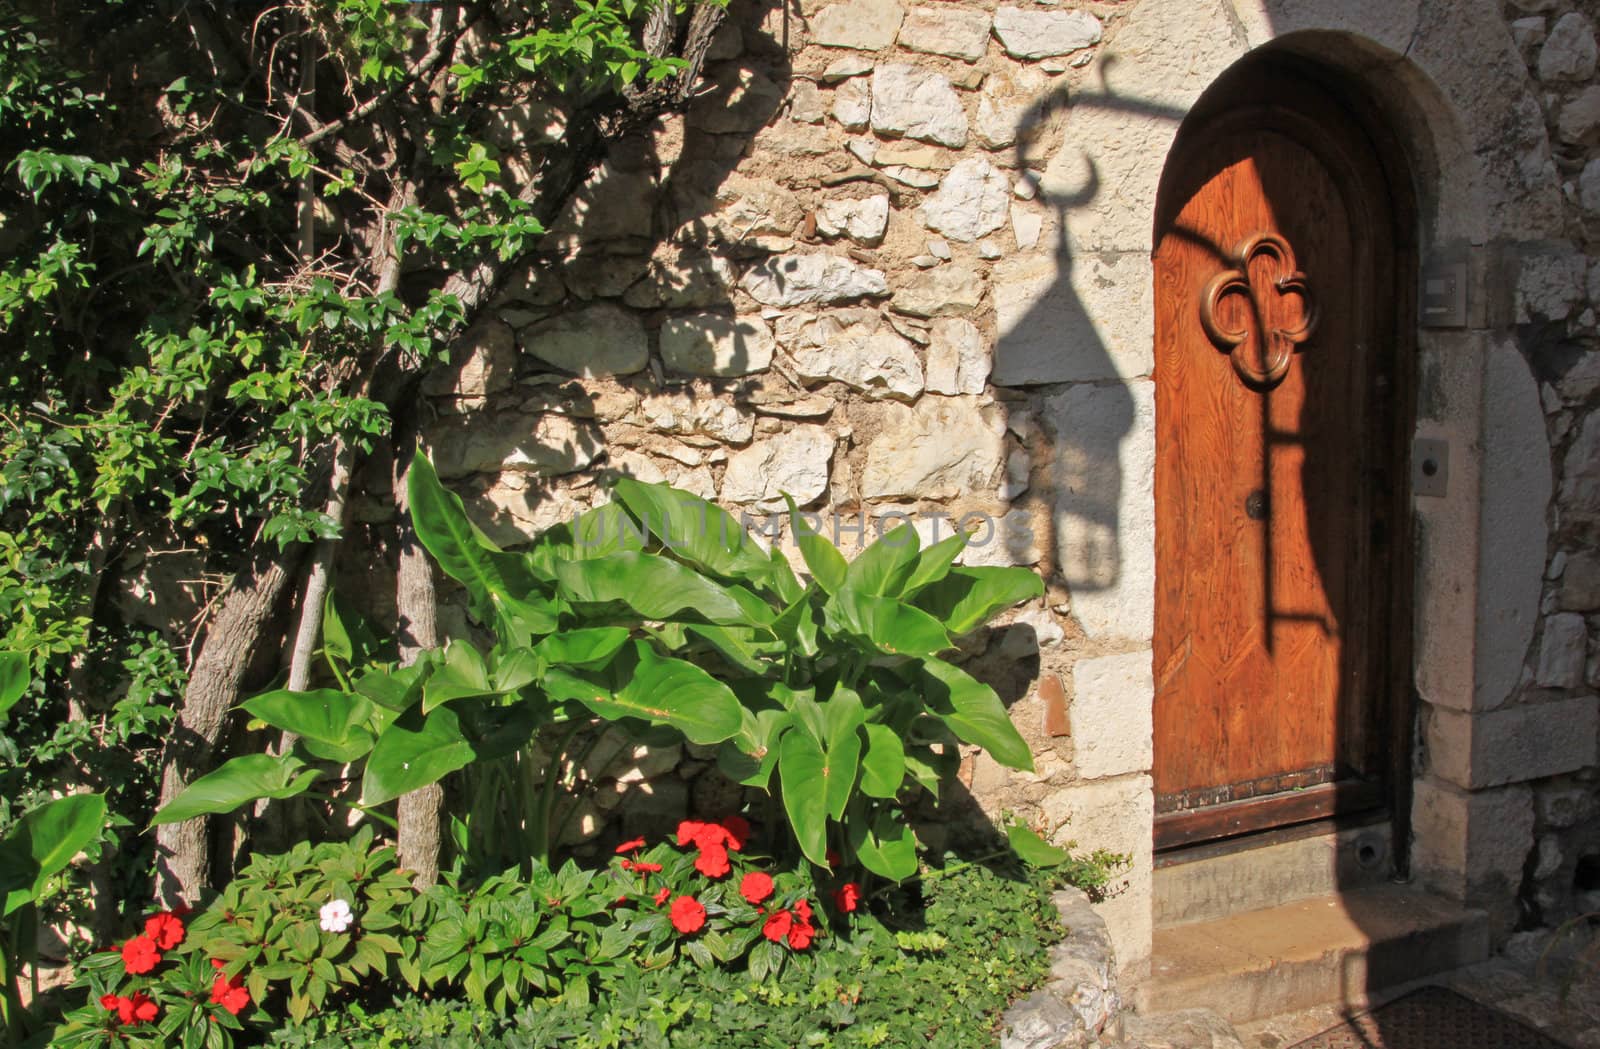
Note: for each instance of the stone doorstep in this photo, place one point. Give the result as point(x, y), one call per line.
point(1337, 948)
point(1209, 885)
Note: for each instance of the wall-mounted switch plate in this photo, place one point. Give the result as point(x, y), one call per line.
point(1430, 467)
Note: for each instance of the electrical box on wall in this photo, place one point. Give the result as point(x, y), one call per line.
point(1444, 296)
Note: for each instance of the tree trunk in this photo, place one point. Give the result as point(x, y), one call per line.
point(183, 850)
point(417, 603)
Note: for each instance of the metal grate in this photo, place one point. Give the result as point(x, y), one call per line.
point(1431, 1018)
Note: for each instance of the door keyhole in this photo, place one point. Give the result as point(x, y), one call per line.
point(1255, 505)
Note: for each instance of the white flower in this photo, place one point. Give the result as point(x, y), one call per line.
point(336, 916)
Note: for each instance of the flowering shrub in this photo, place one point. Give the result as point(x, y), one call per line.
point(929, 965)
point(157, 989)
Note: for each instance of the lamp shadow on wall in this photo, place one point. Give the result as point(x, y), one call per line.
point(1080, 363)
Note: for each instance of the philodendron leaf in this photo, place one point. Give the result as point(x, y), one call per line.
point(13, 679)
point(750, 756)
point(582, 648)
point(334, 725)
point(887, 624)
point(414, 752)
point(43, 842)
point(974, 713)
point(884, 567)
point(826, 564)
point(802, 772)
point(883, 766)
point(600, 532)
point(656, 689)
point(463, 553)
point(966, 598)
point(1031, 848)
point(885, 846)
point(933, 564)
point(656, 588)
point(696, 531)
point(462, 674)
point(243, 779)
point(844, 716)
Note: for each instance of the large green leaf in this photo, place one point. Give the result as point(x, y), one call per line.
point(600, 532)
point(43, 842)
point(802, 772)
point(334, 725)
point(662, 691)
point(884, 567)
point(581, 648)
point(886, 624)
point(696, 531)
point(1032, 849)
point(883, 843)
point(414, 752)
point(655, 587)
point(462, 674)
point(827, 565)
point(13, 679)
point(967, 597)
point(933, 564)
point(844, 715)
point(243, 779)
point(463, 553)
point(396, 688)
point(974, 713)
point(749, 757)
point(347, 638)
point(883, 766)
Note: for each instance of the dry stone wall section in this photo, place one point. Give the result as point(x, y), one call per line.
point(802, 286)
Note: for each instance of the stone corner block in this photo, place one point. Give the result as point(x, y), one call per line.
point(1111, 714)
point(1471, 845)
point(1514, 744)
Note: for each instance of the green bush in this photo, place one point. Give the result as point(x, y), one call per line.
point(930, 964)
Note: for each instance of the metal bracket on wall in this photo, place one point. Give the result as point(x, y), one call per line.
point(1430, 467)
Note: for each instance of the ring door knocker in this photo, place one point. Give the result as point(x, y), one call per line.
point(1281, 343)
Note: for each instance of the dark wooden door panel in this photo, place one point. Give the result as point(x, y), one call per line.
point(1273, 293)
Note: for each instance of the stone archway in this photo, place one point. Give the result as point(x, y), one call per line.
point(1458, 98)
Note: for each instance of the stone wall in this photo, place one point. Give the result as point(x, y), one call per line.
point(1545, 734)
point(838, 276)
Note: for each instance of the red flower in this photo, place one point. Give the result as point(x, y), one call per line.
point(646, 868)
point(692, 832)
point(776, 927)
point(230, 994)
point(630, 846)
point(756, 886)
point(687, 914)
point(109, 1002)
point(627, 865)
point(737, 830)
point(847, 896)
point(164, 930)
point(139, 955)
point(802, 910)
point(713, 860)
point(801, 934)
point(138, 1009)
point(661, 897)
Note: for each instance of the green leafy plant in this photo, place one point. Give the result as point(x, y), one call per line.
point(33, 851)
point(833, 694)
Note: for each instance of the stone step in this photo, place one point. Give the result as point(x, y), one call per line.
point(1206, 884)
point(1336, 948)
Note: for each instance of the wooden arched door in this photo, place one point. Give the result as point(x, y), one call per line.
point(1279, 375)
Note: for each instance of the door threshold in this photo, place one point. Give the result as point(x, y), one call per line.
point(1174, 830)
